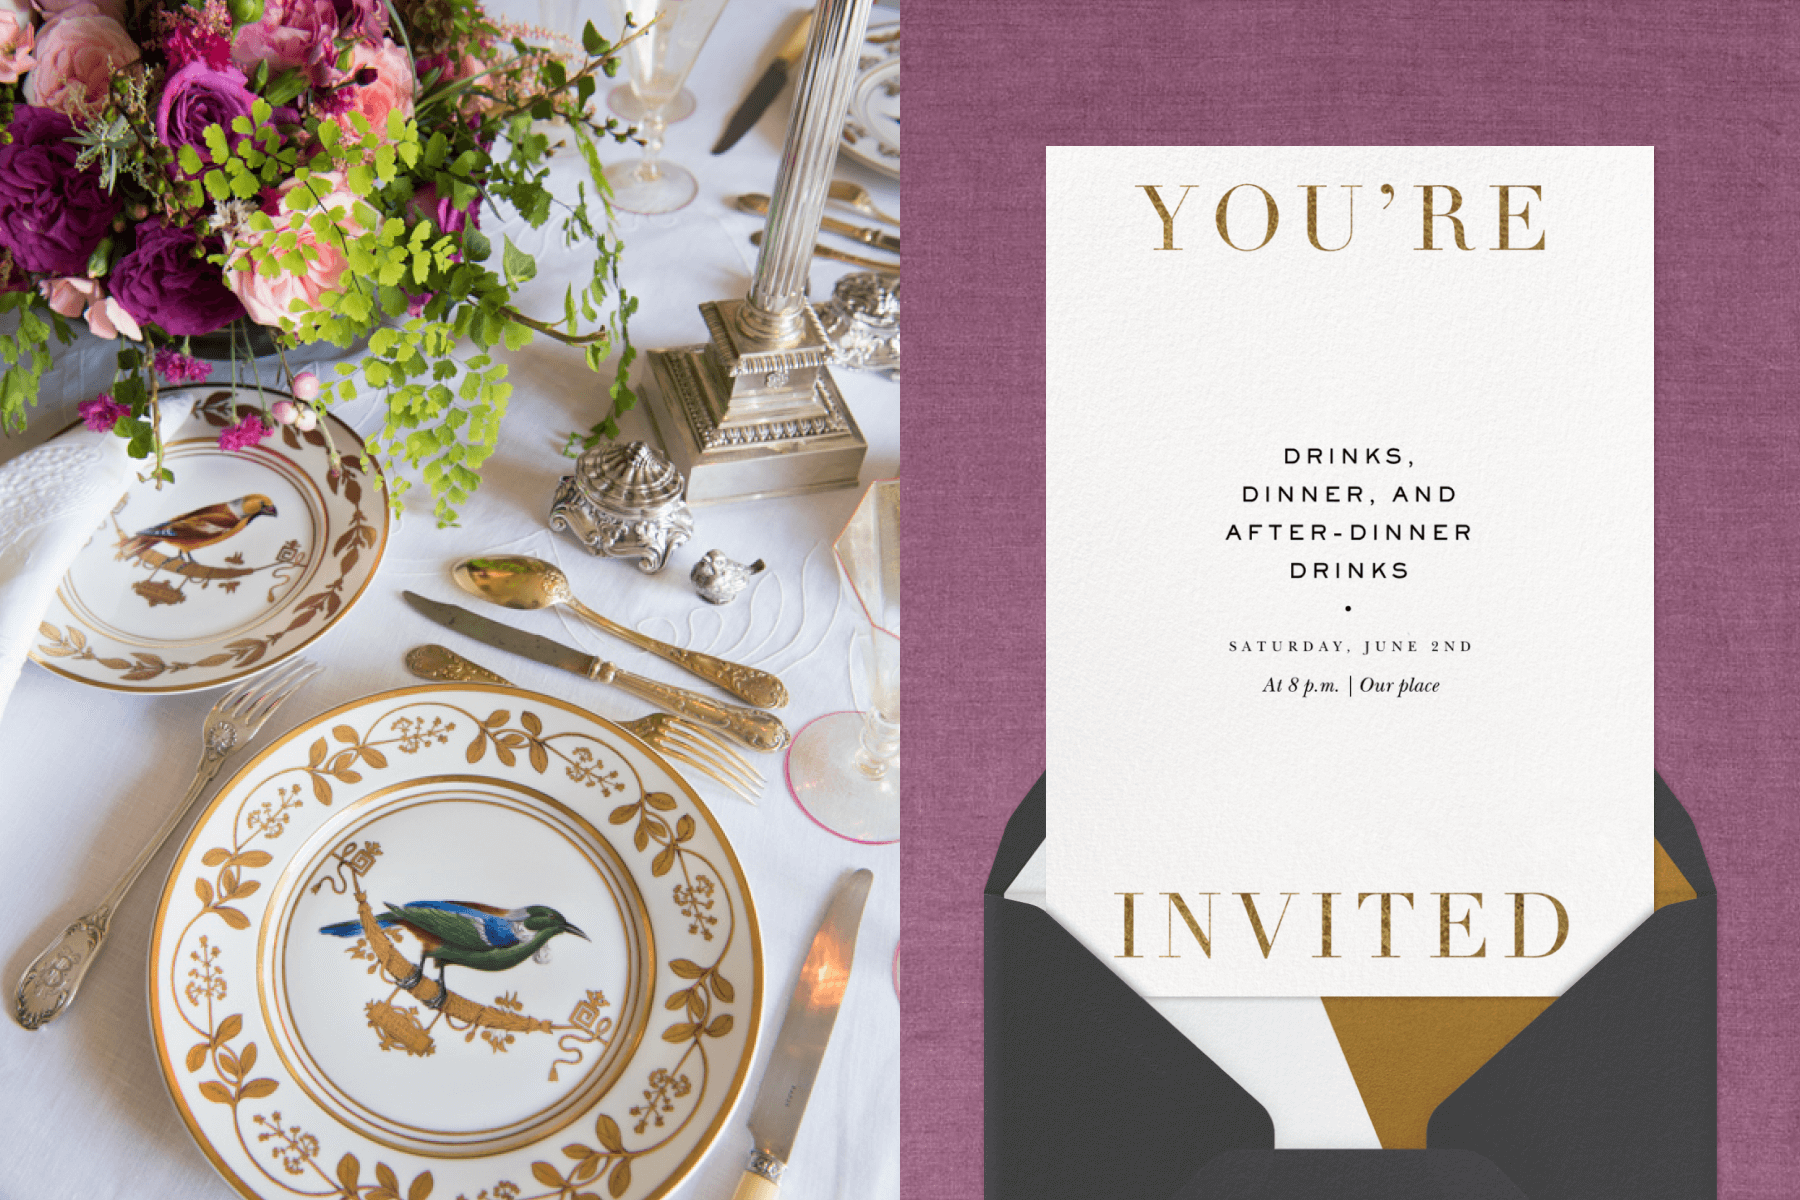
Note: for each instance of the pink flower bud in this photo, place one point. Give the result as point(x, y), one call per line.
point(306, 386)
point(285, 412)
point(307, 421)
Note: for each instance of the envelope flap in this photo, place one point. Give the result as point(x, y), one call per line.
point(1680, 840)
point(1349, 1175)
point(1089, 1091)
point(1025, 832)
point(1613, 1091)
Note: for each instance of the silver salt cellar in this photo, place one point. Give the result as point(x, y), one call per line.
point(624, 501)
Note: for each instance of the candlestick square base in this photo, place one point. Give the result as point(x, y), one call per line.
point(746, 424)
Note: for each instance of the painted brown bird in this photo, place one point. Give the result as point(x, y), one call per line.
point(201, 528)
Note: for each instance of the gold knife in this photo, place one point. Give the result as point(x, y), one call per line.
point(805, 1032)
point(758, 204)
point(757, 730)
point(855, 260)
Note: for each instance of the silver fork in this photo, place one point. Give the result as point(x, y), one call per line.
point(48, 986)
point(681, 740)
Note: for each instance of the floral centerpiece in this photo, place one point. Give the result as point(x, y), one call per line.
point(315, 167)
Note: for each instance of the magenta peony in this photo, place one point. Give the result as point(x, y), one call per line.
point(78, 52)
point(245, 434)
point(102, 412)
point(450, 219)
point(197, 96)
point(163, 281)
point(175, 367)
point(52, 216)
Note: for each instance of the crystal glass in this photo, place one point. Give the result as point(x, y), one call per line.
point(844, 768)
point(657, 63)
point(623, 101)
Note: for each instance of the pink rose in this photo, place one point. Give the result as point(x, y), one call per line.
point(269, 299)
point(392, 87)
point(292, 33)
point(17, 39)
point(77, 55)
point(67, 297)
point(53, 9)
point(106, 317)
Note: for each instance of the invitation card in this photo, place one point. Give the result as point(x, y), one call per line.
point(1375, 717)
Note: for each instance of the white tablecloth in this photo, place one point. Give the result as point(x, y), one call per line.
point(88, 774)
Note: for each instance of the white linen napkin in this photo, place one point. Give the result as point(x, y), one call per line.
point(52, 499)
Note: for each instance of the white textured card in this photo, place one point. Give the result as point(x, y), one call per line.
point(1350, 562)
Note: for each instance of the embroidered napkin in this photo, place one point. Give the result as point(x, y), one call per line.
point(51, 501)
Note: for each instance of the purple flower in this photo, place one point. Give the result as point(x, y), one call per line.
point(245, 434)
point(197, 96)
point(179, 368)
point(51, 215)
point(164, 281)
point(450, 219)
point(102, 412)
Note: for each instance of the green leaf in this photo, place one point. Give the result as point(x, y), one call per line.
point(519, 266)
point(216, 144)
point(285, 87)
point(476, 246)
point(189, 158)
point(591, 41)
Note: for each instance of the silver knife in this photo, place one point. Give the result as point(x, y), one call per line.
point(767, 88)
point(757, 730)
point(805, 1032)
point(758, 204)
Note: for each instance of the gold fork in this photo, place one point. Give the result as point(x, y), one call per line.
point(48, 986)
point(680, 740)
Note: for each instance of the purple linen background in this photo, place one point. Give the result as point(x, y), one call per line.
point(1713, 86)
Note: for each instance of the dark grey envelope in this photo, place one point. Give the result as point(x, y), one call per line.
point(1611, 1093)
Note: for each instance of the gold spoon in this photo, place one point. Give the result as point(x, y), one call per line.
point(518, 581)
point(857, 196)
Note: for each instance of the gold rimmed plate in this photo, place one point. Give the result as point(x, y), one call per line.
point(593, 933)
point(872, 130)
point(245, 559)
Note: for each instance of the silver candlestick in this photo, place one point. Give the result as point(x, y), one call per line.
point(754, 412)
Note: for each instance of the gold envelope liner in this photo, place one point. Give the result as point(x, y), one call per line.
point(1408, 1053)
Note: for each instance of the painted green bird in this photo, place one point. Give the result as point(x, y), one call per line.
point(480, 936)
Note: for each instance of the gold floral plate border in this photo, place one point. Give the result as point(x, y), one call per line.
point(247, 656)
point(670, 830)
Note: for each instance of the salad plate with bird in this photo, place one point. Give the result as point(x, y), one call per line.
point(249, 554)
point(454, 939)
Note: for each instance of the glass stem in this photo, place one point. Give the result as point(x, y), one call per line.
point(651, 168)
point(880, 743)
